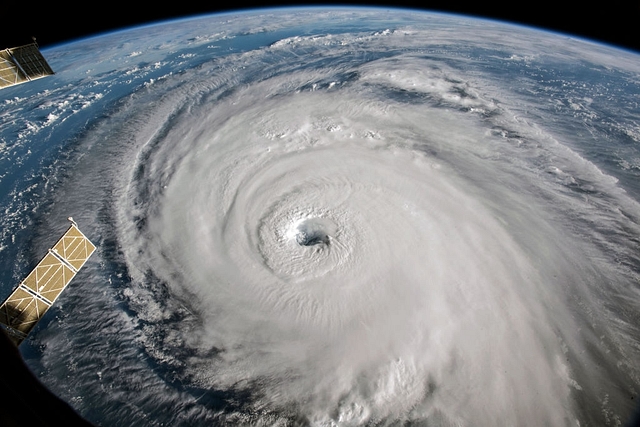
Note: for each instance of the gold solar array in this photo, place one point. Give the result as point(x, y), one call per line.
point(38, 291)
point(22, 64)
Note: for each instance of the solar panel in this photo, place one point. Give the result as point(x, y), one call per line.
point(22, 64)
point(28, 303)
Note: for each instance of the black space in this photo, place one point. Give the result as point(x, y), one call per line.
point(613, 22)
point(26, 402)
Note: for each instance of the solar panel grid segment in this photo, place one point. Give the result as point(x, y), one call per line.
point(22, 64)
point(9, 74)
point(31, 61)
point(28, 303)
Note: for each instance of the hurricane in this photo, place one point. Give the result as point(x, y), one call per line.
point(336, 218)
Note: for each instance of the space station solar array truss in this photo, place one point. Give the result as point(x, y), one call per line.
point(28, 303)
point(22, 64)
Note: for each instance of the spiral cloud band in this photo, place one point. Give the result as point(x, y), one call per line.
point(411, 274)
point(348, 229)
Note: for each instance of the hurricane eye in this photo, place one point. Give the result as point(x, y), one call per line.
point(311, 232)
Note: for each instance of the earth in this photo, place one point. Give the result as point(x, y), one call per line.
point(333, 217)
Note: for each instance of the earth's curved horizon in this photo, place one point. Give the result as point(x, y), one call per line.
point(333, 216)
point(529, 26)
